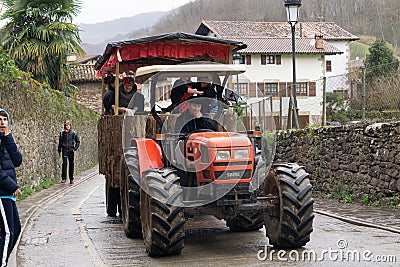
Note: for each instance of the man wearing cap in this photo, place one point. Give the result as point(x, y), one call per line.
point(10, 158)
point(67, 145)
point(192, 119)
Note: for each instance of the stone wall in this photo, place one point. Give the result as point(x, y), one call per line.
point(37, 116)
point(360, 160)
point(89, 94)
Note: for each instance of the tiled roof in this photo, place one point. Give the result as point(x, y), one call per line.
point(85, 59)
point(83, 72)
point(245, 29)
point(284, 46)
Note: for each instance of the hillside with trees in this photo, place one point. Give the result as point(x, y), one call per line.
point(361, 17)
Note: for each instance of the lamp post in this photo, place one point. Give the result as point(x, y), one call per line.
point(292, 8)
point(237, 59)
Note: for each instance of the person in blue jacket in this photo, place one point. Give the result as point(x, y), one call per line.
point(10, 157)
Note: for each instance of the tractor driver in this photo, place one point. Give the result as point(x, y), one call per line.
point(192, 119)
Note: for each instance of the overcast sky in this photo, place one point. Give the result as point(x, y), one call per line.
point(94, 11)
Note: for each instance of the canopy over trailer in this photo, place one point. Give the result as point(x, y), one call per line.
point(166, 49)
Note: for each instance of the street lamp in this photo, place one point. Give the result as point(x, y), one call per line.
point(292, 8)
point(237, 59)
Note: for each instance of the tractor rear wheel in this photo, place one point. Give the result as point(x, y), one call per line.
point(130, 194)
point(162, 218)
point(246, 222)
point(289, 225)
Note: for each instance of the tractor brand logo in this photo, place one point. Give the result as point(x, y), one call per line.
point(233, 175)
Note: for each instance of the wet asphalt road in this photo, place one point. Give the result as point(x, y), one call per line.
point(72, 229)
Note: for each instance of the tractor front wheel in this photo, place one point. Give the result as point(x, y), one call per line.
point(289, 224)
point(161, 215)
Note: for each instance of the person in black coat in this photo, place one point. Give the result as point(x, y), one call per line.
point(192, 119)
point(182, 90)
point(67, 145)
point(10, 158)
point(109, 95)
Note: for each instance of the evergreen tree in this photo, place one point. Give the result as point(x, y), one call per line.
point(380, 61)
point(39, 34)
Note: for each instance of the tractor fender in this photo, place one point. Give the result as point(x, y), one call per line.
point(150, 154)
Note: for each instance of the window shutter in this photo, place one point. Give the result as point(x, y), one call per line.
point(278, 59)
point(263, 60)
point(282, 89)
point(261, 88)
point(248, 59)
point(252, 91)
point(312, 89)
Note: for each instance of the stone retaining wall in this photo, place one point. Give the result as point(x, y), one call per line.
point(361, 160)
point(37, 116)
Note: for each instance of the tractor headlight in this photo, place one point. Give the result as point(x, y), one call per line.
point(223, 155)
point(241, 154)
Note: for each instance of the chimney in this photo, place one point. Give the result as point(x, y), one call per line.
point(319, 42)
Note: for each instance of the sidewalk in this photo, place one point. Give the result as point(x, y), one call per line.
point(27, 206)
point(387, 217)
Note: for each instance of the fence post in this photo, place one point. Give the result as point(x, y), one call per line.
point(280, 112)
point(324, 103)
point(363, 94)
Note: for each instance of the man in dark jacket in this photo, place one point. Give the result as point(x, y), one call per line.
point(10, 157)
point(108, 99)
point(67, 145)
point(192, 119)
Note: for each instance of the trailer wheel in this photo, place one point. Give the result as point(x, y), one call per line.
point(112, 200)
point(246, 222)
point(162, 220)
point(289, 225)
point(130, 194)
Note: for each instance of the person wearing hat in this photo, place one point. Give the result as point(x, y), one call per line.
point(182, 90)
point(10, 158)
point(67, 145)
point(192, 119)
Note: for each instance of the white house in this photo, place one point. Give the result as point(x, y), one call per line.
point(320, 47)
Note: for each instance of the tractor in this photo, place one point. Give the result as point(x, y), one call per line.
point(158, 178)
point(169, 176)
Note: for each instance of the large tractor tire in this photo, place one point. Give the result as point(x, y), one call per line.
point(289, 225)
point(130, 194)
point(162, 218)
point(112, 200)
point(246, 222)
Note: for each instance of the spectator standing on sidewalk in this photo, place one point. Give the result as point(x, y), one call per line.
point(67, 145)
point(10, 158)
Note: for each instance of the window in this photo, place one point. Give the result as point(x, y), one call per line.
point(271, 89)
point(301, 89)
point(329, 66)
point(267, 59)
point(248, 59)
point(270, 59)
point(243, 89)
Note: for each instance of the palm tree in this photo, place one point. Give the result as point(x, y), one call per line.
point(39, 34)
